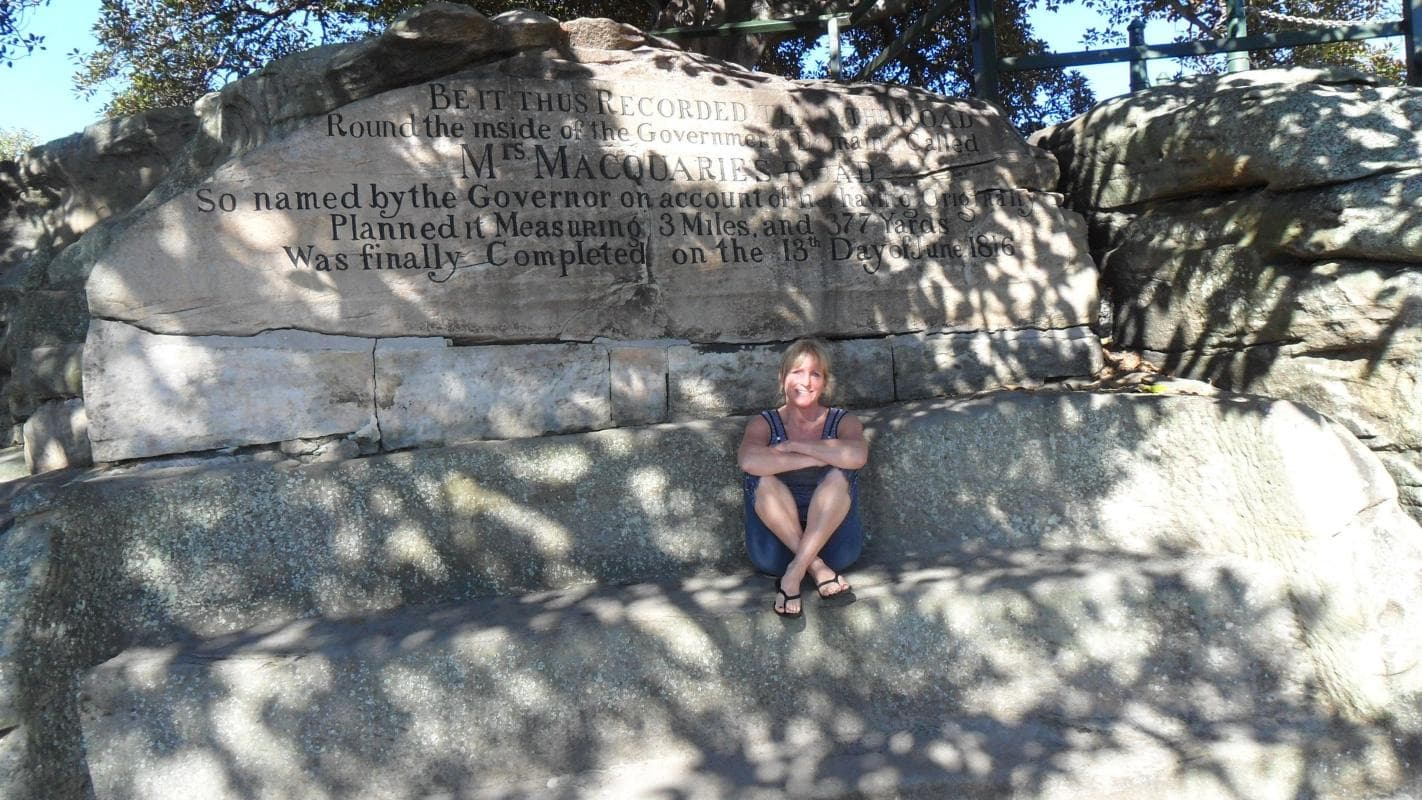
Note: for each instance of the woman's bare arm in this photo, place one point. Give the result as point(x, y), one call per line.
point(758, 458)
point(849, 451)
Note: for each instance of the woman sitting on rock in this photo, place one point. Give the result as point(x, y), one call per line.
point(801, 486)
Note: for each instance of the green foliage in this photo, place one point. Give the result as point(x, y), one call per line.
point(157, 53)
point(1206, 19)
point(941, 61)
point(14, 41)
point(14, 142)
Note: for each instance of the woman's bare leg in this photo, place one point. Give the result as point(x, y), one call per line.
point(829, 505)
point(775, 506)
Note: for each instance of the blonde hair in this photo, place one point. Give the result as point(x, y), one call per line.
point(813, 348)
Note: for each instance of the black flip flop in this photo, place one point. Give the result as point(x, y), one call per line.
point(845, 595)
point(784, 608)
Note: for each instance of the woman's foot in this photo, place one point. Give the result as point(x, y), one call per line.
point(828, 583)
point(786, 604)
point(832, 587)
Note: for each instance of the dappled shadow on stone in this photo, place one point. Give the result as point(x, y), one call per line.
point(1075, 611)
point(1041, 634)
point(1260, 232)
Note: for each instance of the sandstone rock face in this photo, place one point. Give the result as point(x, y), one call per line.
point(1216, 562)
point(25, 557)
point(25, 560)
point(538, 198)
point(428, 394)
point(1264, 232)
point(516, 182)
point(152, 394)
point(49, 199)
point(1280, 129)
point(194, 393)
point(928, 640)
point(968, 363)
point(55, 193)
point(57, 437)
point(639, 384)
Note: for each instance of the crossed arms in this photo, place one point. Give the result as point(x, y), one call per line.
point(849, 451)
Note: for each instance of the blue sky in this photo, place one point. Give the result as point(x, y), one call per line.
point(37, 94)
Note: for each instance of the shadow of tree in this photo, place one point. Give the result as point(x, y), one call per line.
point(1260, 233)
point(1264, 197)
point(1029, 650)
point(663, 658)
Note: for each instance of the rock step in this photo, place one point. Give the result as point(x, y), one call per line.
point(164, 555)
point(1041, 675)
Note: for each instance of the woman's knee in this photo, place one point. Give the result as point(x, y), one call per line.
point(834, 480)
point(771, 490)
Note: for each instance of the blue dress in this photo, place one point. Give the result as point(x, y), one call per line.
point(766, 552)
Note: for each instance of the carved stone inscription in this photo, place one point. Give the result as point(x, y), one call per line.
point(619, 201)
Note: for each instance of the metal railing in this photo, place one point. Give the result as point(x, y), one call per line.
point(987, 66)
point(1238, 43)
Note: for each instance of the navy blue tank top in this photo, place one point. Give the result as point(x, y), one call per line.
point(809, 476)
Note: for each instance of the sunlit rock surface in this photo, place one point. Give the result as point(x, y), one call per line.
point(1052, 572)
point(582, 184)
point(1062, 596)
point(151, 394)
point(1263, 231)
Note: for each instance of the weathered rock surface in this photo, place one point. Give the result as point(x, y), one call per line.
point(1261, 231)
point(58, 191)
point(517, 181)
point(575, 194)
point(1052, 471)
point(967, 363)
point(57, 437)
point(49, 199)
point(638, 381)
point(428, 394)
point(50, 372)
point(1277, 129)
point(1376, 396)
point(600, 33)
point(1288, 504)
point(1024, 676)
point(269, 104)
point(24, 563)
point(41, 323)
point(150, 394)
point(24, 572)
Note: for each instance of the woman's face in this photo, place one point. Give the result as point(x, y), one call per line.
point(804, 383)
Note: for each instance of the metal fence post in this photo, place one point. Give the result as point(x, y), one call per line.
point(1412, 36)
point(1237, 26)
point(1140, 75)
point(984, 50)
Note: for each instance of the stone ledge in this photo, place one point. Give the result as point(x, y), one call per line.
point(204, 551)
point(427, 393)
point(147, 394)
point(153, 557)
point(953, 364)
point(1043, 678)
point(57, 437)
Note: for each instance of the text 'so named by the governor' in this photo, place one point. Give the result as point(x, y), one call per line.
point(565, 180)
point(648, 196)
